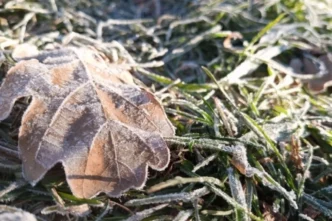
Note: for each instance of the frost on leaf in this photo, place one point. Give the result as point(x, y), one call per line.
point(89, 115)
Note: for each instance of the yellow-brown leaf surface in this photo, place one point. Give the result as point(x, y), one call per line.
point(89, 115)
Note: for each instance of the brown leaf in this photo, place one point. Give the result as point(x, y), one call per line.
point(320, 84)
point(17, 216)
point(270, 215)
point(232, 36)
point(295, 156)
point(89, 115)
point(24, 50)
point(311, 212)
point(306, 66)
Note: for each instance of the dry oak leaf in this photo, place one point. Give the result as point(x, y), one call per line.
point(89, 115)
